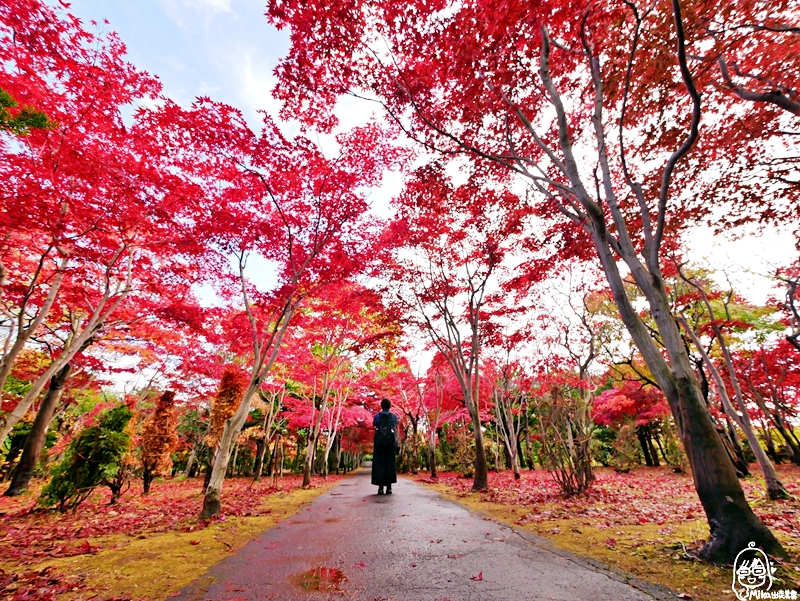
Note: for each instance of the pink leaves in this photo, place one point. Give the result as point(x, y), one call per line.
point(477, 577)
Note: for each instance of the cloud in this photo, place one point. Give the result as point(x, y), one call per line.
point(215, 5)
point(255, 82)
point(183, 18)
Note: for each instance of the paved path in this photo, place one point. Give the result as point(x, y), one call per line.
point(413, 545)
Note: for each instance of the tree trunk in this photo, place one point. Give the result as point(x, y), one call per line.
point(734, 451)
point(653, 453)
point(521, 460)
point(24, 333)
point(326, 456)
point(190, 461)
point(276, 462)
point(262, 448)
point(74, 346)
point(212, 454)
point(505, 423)
point(512, 457)
point(481, 481)
point(311, 448)
point(432, 454)
point(775, 489)
point(732, 523)
point(777, 419)
point(232, 467)
point(791, 445)
point(528, 446)
point(273, 456)
point(415, 447)
point(648, 460)
point(147, 477)
point(233, 426)
point(34, 442)
point(338, 452)
point(661, 449)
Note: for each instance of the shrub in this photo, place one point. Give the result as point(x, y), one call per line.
point(565, 438)
point(94, 457)
point(626, 454)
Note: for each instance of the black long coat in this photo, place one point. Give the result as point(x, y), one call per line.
point(384, 469)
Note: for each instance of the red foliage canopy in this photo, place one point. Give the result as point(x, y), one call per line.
point(631, 400)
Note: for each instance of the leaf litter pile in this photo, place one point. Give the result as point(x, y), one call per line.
point(31, 536)
point(647, 522)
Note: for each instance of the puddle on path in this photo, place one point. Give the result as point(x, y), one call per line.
point(319, 579)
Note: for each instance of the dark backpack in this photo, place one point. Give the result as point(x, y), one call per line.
point(384, 437)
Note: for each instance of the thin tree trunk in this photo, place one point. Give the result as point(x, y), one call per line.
point(779, 424)
point(190, 461)
point(732, 437)
point(528, 446)
point(432, 453)
point(266, 356)
point(648, 460)
point(415, 447)
point(272, 457)
point(653, 453)
point(775, 489)
point(212, 498)
point(326, 455)
point(212, 456)
point(147, 477)
point(232, 467)
point(481, 480)
point(34, 442)
point(311, 448)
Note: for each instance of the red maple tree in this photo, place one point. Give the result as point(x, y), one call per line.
point(565, 95)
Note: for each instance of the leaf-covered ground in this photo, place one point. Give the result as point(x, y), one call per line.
point(102, 551)
point(643, 522)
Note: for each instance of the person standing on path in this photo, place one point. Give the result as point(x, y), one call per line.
point(384, 472)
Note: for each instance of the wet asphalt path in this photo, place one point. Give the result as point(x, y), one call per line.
point(413, 545)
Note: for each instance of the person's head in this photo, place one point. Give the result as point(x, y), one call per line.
point(385, 404)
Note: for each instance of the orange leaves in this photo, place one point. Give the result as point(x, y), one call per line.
point(159, 436)
point(229, 395)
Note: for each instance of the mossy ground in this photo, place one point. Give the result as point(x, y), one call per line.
point(145, 549)
point(152, 567)
point(606, 529)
